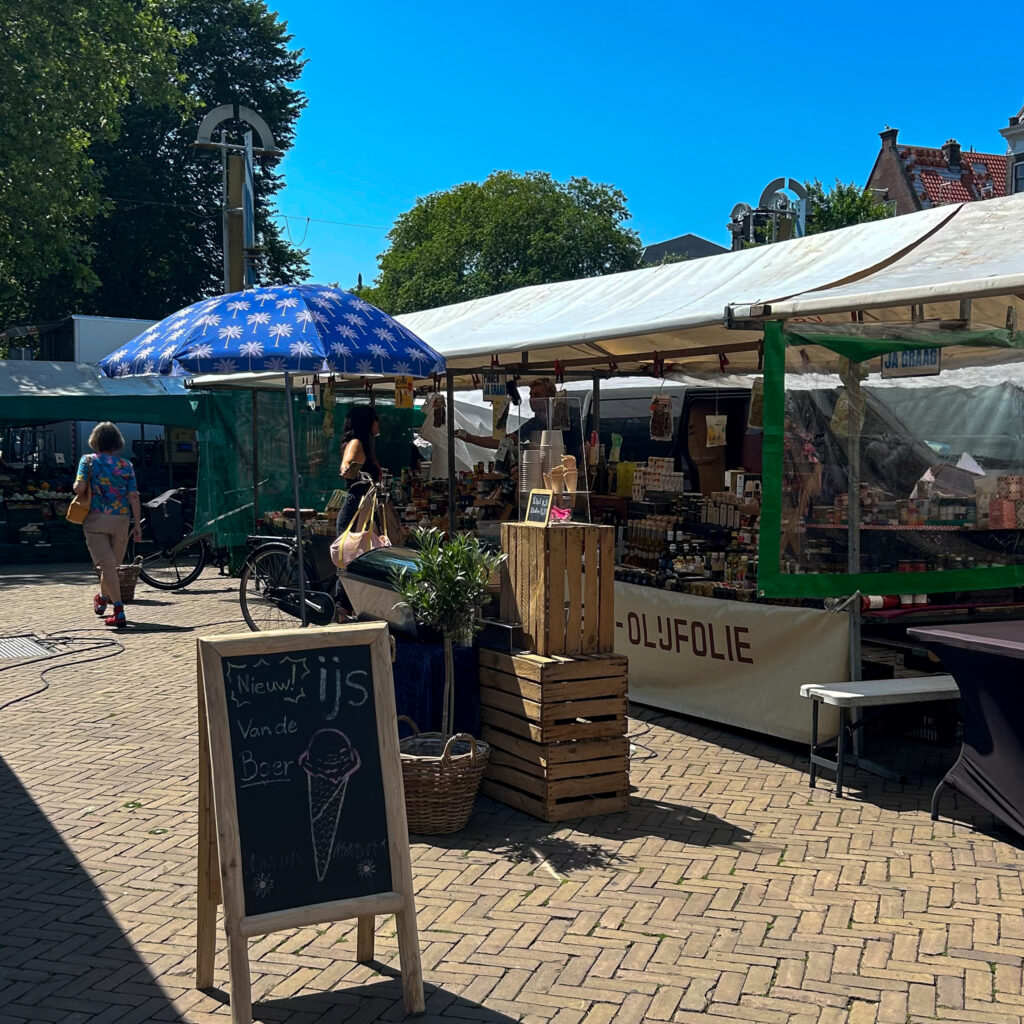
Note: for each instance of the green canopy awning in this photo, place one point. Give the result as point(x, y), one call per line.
point(34, 392)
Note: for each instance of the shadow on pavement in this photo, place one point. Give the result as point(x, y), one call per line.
point(527, 839)
point(380, 1000)
point(63, 956)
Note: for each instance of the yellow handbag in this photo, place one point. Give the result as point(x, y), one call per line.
point(81, 503)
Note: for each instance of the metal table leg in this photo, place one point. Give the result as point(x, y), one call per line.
point(840, 751)
point(814, 741)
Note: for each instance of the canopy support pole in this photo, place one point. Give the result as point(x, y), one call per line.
point(596, 408)
point(301, 567)
point(255, 462)
point(450, 423)
point(855, 399)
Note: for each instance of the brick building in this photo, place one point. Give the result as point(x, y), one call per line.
point(920, 177)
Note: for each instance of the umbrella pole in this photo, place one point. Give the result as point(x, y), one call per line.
point(295, 497)
point(450, 418)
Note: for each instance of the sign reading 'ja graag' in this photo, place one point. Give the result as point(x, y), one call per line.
point(306, 784)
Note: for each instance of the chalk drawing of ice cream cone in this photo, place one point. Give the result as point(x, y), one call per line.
point(329, 762)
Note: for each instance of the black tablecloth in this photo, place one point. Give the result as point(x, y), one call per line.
point(990, 769)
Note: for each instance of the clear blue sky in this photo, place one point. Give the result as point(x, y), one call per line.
point(688, 108)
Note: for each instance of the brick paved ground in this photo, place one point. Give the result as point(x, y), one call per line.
point(728, 892)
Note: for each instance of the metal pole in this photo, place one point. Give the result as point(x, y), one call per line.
point(596, 408)
point(255, 461)
point(855, 397)
point(450, 420)
point(304, 612)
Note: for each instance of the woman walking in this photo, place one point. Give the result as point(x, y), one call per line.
point(111, 483)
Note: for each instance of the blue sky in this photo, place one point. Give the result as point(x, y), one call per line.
point(689, 109)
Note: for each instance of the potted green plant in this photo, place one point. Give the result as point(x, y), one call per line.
point(445, 590)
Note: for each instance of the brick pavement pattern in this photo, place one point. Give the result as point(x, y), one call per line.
point(728, 892)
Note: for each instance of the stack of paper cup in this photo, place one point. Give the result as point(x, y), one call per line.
point(552, 448)
point(531, 473)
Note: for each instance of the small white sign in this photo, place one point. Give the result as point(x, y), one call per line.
point(912, 362)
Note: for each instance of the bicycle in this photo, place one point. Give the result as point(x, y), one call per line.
point(268, 590)
point(172, 555)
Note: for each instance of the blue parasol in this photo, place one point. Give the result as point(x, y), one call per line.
point(287, 329)
point(306, 328)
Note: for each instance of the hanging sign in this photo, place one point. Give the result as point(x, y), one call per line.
point(494, 383)
point(538, 509)
point(299, 750)
point(403, 393)
point(499, 417)
point(914, 362)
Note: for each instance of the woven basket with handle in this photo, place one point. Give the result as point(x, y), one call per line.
point(127, 577)
point(441, 779)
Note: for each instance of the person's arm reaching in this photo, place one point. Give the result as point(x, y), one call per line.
point(480, 440)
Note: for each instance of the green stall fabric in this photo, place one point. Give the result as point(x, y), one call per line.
point(244, 463)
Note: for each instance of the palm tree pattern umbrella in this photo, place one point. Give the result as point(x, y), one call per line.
point(306, 328)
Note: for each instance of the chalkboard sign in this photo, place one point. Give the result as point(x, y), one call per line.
point(304, 768)
point(538, 508)
point(308, 787)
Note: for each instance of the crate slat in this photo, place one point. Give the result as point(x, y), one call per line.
point(553, 668)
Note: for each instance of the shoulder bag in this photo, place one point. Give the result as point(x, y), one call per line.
point(364, 533)
point(81, 504)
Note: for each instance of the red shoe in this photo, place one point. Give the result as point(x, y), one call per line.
point(117, 619)
point(99, 604)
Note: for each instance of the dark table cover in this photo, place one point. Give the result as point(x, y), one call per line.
point(419, 686)
point(986, 662)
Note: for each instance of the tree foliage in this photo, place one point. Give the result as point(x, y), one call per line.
point(68, 68)
point(151, 240)
point(841, 206)
point(479, 239)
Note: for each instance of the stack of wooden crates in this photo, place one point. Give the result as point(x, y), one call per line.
point(555, 714)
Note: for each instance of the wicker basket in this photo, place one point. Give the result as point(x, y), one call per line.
point(441, 779)
point(127, 577)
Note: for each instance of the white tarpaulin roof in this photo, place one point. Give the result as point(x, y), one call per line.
point(629, 316)
point(979, 253)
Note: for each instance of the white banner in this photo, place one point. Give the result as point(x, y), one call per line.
point(731, 662)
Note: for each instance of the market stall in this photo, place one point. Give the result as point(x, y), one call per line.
point(941, 272)
point(37, 471)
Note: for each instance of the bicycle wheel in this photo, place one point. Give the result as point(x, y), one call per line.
point(268, 590)
point(172, 569)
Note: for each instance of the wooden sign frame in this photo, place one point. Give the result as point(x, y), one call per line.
point(220, 837)
point(550, 497)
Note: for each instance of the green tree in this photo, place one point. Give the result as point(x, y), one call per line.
point(841, 206)
point(161, 247)
point(68, 67)
point(511, 230)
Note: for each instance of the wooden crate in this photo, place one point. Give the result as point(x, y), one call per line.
point(557, 730)
point(559, 584)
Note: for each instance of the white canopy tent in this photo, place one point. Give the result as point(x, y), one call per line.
point(695, 310)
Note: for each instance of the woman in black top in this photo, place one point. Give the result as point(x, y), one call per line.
point(359, 466)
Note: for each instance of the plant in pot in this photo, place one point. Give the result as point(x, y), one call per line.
point(445, 590)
